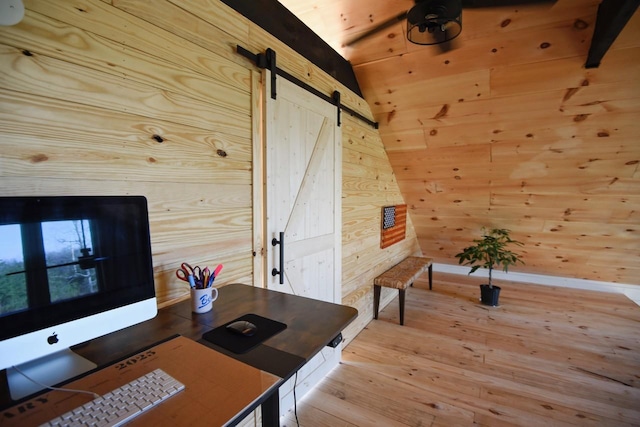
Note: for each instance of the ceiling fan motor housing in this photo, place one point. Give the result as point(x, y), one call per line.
point(434, 21)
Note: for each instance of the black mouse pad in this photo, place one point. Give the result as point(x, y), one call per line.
point(266, 328)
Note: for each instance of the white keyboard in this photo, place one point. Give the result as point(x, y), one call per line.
point(124, 403)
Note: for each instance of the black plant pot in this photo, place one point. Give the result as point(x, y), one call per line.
point(489, 295)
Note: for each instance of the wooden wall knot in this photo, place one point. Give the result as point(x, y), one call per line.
point(579, 24)
point(569, 93)
point(391, 115)
point(38, 158)
point(443, 112)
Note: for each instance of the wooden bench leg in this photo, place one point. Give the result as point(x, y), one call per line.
point(376, 300)
point(430, 276)
point(401, 298)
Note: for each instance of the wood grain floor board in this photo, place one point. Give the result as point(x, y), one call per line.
point(547, 356)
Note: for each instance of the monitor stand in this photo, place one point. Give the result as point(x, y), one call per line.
point(48, 370)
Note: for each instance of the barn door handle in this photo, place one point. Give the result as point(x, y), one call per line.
point(275, 271)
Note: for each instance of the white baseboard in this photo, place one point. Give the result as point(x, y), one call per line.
point(631, 291)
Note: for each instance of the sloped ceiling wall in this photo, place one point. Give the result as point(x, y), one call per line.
point(507, 130)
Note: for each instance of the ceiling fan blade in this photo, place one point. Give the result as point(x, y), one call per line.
point(447, 45)
point(451, 42)
point(386, 24)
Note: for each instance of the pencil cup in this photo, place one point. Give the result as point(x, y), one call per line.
point(202, 299)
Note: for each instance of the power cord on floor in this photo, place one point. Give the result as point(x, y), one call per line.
point(295, 400)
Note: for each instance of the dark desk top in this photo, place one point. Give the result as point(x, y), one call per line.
point(311, 325)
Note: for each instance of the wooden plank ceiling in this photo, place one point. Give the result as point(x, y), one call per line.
point(508, 129)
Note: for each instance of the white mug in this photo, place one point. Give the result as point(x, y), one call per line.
point(202, 299)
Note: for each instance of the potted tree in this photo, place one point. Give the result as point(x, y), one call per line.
point(490, 252)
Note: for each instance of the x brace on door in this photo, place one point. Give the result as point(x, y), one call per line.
point(268, 60)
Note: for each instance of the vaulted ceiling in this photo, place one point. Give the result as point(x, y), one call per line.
point(507, 129)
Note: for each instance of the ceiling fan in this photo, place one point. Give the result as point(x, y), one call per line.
point(431, 22)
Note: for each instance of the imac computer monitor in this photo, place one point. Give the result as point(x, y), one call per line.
point(72, 268)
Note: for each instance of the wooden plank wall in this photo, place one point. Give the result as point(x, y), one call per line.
point(130, 97)
point(510, 130)
point(368, 183)
point(557, 167)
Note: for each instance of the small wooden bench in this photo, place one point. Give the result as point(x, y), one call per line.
point(400, 276)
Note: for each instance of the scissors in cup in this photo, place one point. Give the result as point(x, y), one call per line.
point(191, 275)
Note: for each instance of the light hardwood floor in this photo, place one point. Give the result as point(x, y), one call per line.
point(546, 356)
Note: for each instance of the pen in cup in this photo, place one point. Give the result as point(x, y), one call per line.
point(205, 277)
point(214, 275)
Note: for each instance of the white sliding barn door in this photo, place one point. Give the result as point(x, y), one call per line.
point(303, 201)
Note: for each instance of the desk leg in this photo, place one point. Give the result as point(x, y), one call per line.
point(271, 410)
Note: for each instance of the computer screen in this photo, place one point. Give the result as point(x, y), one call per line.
point(72, 268)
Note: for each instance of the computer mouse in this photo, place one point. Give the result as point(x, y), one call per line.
point(242, 327)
